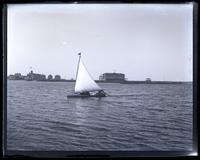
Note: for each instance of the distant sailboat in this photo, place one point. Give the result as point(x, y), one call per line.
point(85, 84)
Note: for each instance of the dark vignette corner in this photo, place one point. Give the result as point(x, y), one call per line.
point(195, 79)
point(4, 77)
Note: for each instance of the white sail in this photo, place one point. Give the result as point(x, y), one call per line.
point(84, 82)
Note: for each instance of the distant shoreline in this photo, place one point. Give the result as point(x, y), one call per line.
point(121, 82)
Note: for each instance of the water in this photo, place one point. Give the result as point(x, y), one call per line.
point(136, 117)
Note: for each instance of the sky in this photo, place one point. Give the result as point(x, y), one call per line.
point(140, 40)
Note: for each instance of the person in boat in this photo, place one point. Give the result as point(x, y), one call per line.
point(100, 93)
point(85, 93)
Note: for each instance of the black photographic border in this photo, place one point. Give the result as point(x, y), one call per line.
point(103, 154)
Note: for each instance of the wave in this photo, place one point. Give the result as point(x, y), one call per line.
point(122, 95)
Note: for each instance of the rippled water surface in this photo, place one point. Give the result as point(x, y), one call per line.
point(135, 117)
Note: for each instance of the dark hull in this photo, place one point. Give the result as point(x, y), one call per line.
point(84, 96)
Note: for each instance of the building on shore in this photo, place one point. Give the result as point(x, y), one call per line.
point(50, 77)
point(112, 77)
point(33, 76)
point(16, 76)
point(148, 80)
point(11, 77)
point(57, 77)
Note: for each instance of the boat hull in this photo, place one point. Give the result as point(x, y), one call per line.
point(85, 96)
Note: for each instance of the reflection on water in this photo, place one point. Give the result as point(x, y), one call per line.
point(81, 111)
point(134, 117)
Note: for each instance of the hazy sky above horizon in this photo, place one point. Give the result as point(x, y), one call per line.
point(139, 40)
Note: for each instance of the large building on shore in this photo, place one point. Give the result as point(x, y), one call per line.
point(112, 77)
point(33, 76)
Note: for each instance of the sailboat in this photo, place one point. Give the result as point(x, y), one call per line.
point(85, 86)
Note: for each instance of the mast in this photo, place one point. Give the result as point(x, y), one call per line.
point(78, 64)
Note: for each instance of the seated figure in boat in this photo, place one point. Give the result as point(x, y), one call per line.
point(101, 93)
point(85, 93)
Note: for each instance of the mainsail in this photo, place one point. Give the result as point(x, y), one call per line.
point(84, 82)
